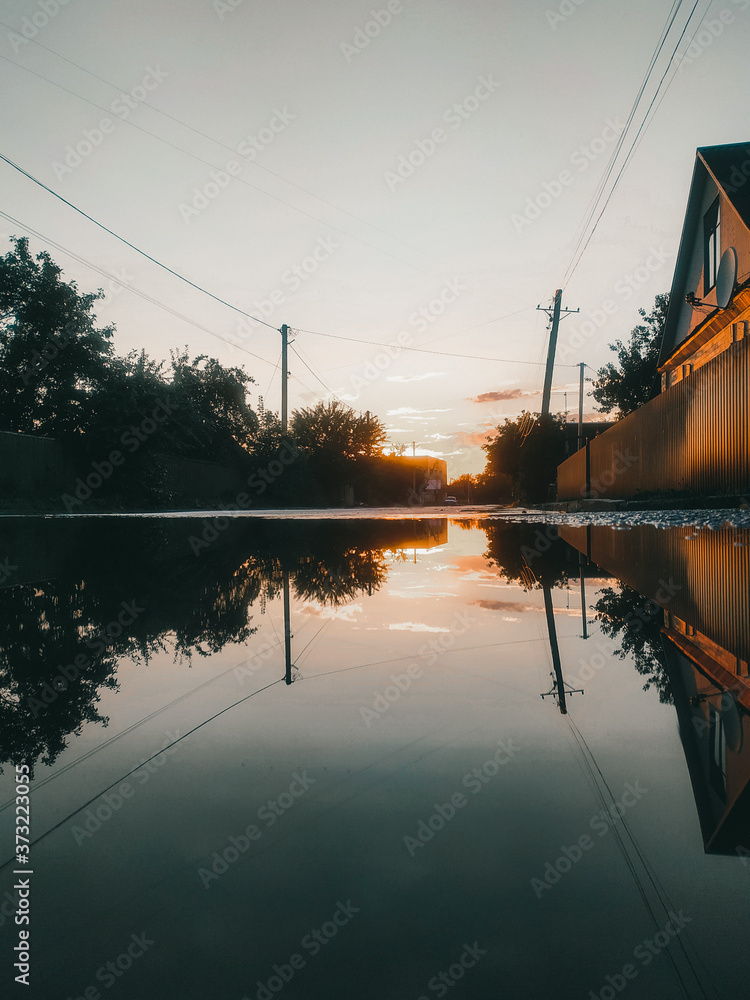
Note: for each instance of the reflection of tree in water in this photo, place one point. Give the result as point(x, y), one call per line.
point(175, 602)
point(636, 623)
point(42, 627)
point(529, 554)
point(338, 581)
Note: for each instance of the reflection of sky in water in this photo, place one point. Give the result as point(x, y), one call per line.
point(384, 748)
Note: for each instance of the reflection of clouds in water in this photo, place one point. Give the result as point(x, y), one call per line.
point(415, 627)
point(505, 606)
point(413, 592)
point(343, 614)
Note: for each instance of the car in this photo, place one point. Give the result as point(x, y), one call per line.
point(450, 500)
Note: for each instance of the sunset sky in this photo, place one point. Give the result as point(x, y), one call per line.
point(407, 173)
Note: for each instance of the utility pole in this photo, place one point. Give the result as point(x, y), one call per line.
point(554, 314)
point(580, 409)
point(284, 376)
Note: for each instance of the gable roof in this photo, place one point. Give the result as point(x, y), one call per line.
point(729, 167)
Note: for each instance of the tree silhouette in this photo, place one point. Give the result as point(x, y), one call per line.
point(634, 379)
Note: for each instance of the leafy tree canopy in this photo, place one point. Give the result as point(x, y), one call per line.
point(53, 358)
point(337, 429)
point(630, 383)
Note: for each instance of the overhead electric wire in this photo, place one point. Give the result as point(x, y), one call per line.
point(241, 180)
point(642, 128)
point(216, 141)
point(425, 350)
point(130, 288)
point(132, 246)
point(591, 207)
point(113, 784)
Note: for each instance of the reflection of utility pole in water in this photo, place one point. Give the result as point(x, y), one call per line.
point(583, 596)
point(287, 630)
point(558, 689)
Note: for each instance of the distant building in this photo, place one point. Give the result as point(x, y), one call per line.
point(709, 307)
point(429, 478)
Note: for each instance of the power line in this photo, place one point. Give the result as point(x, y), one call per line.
point(642, 127)
point(425, 350)
point(591, 207)
point(203, 135)
point(132, 246)
point(241, 180)
point(130, 288)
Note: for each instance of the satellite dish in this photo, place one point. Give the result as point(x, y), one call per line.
point(726, 277)
point(731, 717)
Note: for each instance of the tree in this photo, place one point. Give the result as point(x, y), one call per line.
point(336, 429)
point(636, 623)
point(213, 401)
point(53, 358)
point(528, 449)
point(634, 380)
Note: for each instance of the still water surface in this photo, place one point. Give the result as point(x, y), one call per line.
point(389, 808)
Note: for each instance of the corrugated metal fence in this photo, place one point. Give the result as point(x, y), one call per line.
point(693, 437)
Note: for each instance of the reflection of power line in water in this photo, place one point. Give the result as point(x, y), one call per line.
point(609, 805)
point(143, 763)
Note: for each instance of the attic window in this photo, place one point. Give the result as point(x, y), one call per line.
point(711, 246)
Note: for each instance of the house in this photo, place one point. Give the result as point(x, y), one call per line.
point(694, 437)
point(710, 300)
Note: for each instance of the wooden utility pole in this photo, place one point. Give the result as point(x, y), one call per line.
point(284, 377)
point(580, 408)
point(554, 313)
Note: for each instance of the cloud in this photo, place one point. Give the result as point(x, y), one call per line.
point(501, 396)
point(414, 378)
point(416, 627)
point(471, 440)
point(345, 613)
point(404, 410)
point(505, 606)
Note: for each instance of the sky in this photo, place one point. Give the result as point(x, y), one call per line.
point(406, 173)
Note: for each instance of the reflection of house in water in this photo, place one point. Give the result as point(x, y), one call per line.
point(701, 580)
point(426, 533)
